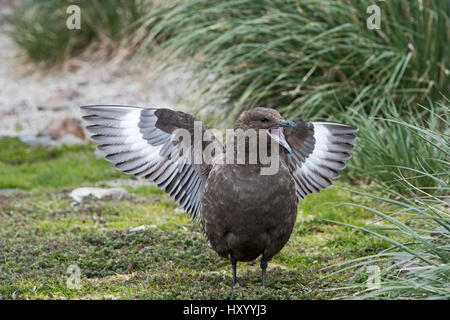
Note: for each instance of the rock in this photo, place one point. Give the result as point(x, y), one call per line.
point(9, 192)
point(60, 127)
point(99, 154)
point(80, 193)
point(142, 228)
point(35, 141)
point(70, 140)
point(8, 112)
point(47, 141)
point(133, 183)
point(73, 67)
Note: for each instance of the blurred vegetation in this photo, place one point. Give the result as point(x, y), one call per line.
point(39, 28)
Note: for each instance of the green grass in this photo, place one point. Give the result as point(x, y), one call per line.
point(42, 233)
point(22, 167)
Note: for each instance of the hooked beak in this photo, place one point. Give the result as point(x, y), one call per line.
point(277, 134)
point(288, 123)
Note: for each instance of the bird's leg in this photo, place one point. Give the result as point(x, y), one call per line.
point(233, 261)
point(263, 268)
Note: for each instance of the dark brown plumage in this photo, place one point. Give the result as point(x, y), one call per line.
point(244, 214)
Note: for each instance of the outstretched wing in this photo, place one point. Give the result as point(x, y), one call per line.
point(140, 141)
point(319, 151)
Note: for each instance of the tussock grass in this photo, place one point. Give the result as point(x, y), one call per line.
point(315, 59)
point(409, 156)
point(39, 28)
point(417, 224)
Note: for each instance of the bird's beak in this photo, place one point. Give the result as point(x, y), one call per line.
point(288, 123)
point(277, 134)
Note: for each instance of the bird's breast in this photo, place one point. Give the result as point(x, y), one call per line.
point(242, 187)
point(244, 212)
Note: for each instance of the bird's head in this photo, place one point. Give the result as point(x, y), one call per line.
point(266, 119)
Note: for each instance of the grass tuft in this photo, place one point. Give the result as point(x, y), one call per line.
point(409, 156)
point(39, 28)
point(417, 224)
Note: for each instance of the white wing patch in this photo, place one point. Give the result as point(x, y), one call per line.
point(332, 147)
point(134, 145)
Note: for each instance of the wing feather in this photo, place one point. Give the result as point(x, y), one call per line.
point(319, 152)
point(138, 141)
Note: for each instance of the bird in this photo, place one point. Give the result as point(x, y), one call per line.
point(243, 213)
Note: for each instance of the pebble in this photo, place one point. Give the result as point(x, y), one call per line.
point(79, 194)
point(142, 228)
point(10, 192)
point(35, 141)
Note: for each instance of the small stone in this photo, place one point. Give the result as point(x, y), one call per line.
point(70, 140)
point(133, 183)
point(10, 192)
point(79, 194)
point(99, 154)
point(35, 141)
point(142, 228)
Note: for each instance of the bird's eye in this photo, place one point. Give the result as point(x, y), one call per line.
point(264, 120)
